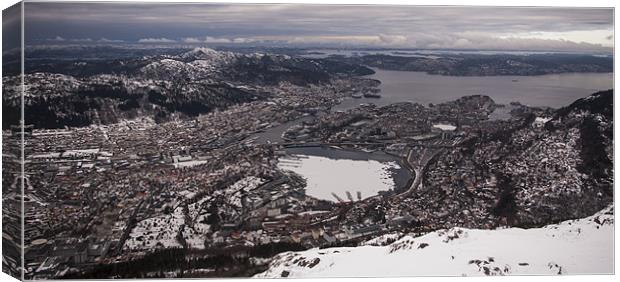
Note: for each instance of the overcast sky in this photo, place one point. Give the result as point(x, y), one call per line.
point(562, 29)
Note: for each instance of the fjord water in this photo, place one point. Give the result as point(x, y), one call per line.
point(552, 90)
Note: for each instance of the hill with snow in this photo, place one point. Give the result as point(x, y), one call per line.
point(583, 246)
point(78, 93)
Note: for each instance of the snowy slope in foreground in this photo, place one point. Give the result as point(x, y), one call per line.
point(583, 246)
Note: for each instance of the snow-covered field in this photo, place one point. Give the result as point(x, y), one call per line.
point(325, 176)
point(199, 215)
point(233, 193)
point(156, 232)
point(195, 238)
point(189, 163)
point(444, 126)
point(583, 246)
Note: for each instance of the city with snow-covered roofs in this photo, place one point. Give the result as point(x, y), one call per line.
point(255, 157)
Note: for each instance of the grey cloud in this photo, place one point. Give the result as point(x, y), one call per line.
point(192, 40)
point(81, 40)
point(106, 40)
point(222, 40)
point(396, 26)
point(332, 16)
point(76, 40)
point(156, 40)
point(467, 40)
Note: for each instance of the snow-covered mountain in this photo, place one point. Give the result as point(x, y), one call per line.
point(583, 246)
point(195, 64)
point(208, 54)
point(79, 93)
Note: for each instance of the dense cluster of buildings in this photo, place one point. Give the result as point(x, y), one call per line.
point(89, 191)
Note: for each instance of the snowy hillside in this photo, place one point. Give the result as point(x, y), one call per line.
point(583, 246)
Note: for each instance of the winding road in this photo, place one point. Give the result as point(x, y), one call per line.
point(418, 167)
